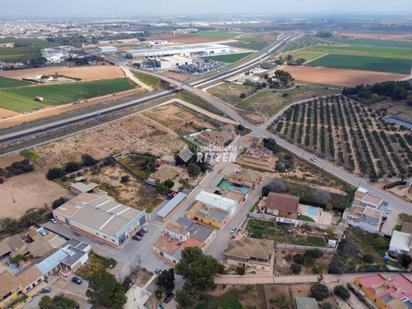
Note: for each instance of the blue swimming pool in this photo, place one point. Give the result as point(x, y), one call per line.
point(312, 211)
point(227, 185)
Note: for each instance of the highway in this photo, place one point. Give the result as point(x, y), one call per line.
point(33, 129)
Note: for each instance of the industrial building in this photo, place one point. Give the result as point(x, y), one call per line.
point(217, 201)
point(57, 54)
point(172, 62)
point(102, 217)
point(107, 49)
point(181, 50)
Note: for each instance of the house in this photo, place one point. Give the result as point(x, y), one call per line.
point(393, 292)
point(217, 201)
point(12, 246)
point(253, 253)
point(244, 178)
point(41, 242)
point(101, 216)
point(182, 234)
point(305, 303)
point(258, 156)
point(281, 205)
point(400, 243)
point(165, 172)
point(366, 212)
point(81, 187)
point(10, 289)
point(220, 137)
point(215, 217)
point(30, 278)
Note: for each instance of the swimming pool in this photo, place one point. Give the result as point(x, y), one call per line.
point(228, 186)
point(312, 211)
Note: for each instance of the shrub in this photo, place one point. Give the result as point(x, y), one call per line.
point(193, 170)
point(57, 203)
point(240, 270)
point(54, 173)
point(124, 179)
point(404, 260)
point(299, 259)
point(319, 291)
point(342, 292)
point(367, 258)
point(296, 268)
point(336, 267)
point(88, 160)
point(71, 167)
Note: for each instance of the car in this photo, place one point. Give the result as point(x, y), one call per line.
point(313, 159)
point(168, 297)
point(157, 270)
point(388, 210)
point(77, 280)
point(144, 230)
point(137, 237)
point(233, 230)
point(46, 289)
point(140, 233)
point(52, 220)
point(160, 307)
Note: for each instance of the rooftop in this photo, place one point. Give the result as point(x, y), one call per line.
point(217, 201)
point(171, 205)
point(9, 283)
point(306, 303)
point(400, 241)
point(209, 213)
point(84, 188)
point(282, 202)
point(28, 276)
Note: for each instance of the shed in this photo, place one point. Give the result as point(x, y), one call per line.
point(171, 205)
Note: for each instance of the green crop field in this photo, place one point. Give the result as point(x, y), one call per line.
point(393, 65)
point(229, 58)
point(11, 83)
point(371, 42)
point(21, 99)
point(23, 50)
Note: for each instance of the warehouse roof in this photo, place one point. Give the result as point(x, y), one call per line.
point(217, 201)
point(171, 205)
point(100, 212)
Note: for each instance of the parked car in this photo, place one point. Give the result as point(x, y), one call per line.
point(52, 220)
point(46, 289)
point(140, 233)
point(233, 230)
point(160, 307)
point(388, 210)
point(144, 230)
point(168, 297)
point(77, 280)
point(137, 237)
point(157, 270)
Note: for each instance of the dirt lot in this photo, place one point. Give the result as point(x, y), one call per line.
point(176, 75)
point(5, 113)
point(31, 190)
point(134, 133)
point(230, 92)
point(383, 36)
point(87, 73)
point(179, 119)
point(134, 193)
point(340, 77)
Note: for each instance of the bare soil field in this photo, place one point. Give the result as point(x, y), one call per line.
point(9, 159)
point(179, 76)
point(179, 119)
point(134, 193)
point(182, 39)
point(340, 77)
point(383, 36)
point(5, 113)
point(17, 119)
point(31, 190)
point(86, 73)
point(134, 133)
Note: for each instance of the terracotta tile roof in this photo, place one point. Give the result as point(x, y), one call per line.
point(9, 283)
point(29, 276)
point(282, 202)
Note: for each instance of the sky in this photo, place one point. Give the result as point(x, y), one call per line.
point(135, 8)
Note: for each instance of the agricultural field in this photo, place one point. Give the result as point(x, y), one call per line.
point(85, 73)
point(269, 102)
point(339, 77)
point(231, 92)
point(367, 63)
point(304, 42)
point(24, 50)
point(371, 42)
point(378, 35)
point(228, 58)
point(21, 99)
point(255, 41)
point(217, 35)
point(11, 83)
point(350, 134)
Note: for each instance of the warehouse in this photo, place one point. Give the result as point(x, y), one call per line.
point(181, 50)
point(101, 216)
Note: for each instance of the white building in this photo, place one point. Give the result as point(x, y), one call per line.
point(217, 201)
point(400, 243)
point(172, 62)
point(181, 50)
point(107, 49)
point(102, 217)
point(57, 54)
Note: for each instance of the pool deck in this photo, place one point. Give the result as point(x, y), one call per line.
point(324, 217)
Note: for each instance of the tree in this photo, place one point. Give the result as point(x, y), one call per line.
point(326, 306)
point(162, 188)
point(336, 267)
point(271, 144)
point(193, 169)
point(240, 270)
point(58, 202)
point(342, 292)
point(319, 291)
point(124, 179)
point(283, 78)
point(45, 302)
point(71, 167)
point(296, 268)
point(105, 292)
point(198, 269)
point(88, 160)
point(367, 258)
point(184, 299)
point(169, 183)
point(405, 260)
point(299, 259)
point(277, 185)
point(166, 280)
point(54, 173)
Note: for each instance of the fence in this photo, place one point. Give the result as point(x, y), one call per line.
point(299, 247)
point(294, 222)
